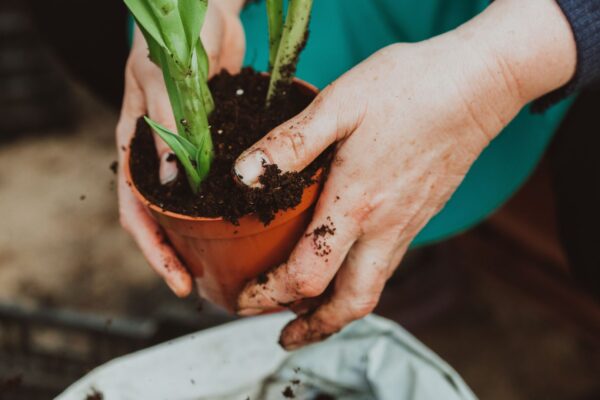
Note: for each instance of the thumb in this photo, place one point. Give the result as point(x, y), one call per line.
point(294, 144)
point(159, 110)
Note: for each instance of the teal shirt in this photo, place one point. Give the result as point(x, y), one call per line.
point(345, 32)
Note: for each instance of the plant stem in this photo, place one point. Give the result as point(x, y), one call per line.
point(193, 94)
point(275, 19)
point(292, 41)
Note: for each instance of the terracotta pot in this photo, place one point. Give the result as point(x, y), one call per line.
point(223, 257)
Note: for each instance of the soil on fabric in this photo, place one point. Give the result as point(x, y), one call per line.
point(288, 393)
point(95, 395)
point(238, 121)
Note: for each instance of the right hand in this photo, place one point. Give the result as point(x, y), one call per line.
point(145, 93)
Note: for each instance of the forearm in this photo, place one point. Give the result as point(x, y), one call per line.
point(512, 53)
point(532, 40)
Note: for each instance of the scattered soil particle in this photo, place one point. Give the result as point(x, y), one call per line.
point(240, 121)
point(288, 393)
point(114, 166)
point(295, 382)
point(82, 197)
point(171, 157)
point(95, 395)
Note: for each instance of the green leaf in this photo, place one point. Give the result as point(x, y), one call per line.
point(174, 96)
point(170, 24)
point(275, 21)
point(202, 64)
point(203, 161)
point(192, 14)
point(183, 149)
point(144, 16)
point(293, 35)
point(172, 30)
point(155, 51)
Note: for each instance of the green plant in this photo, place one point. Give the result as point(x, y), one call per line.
point(172, 30)
point(286, 41)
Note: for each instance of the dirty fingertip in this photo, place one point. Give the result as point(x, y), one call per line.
point(168, 168)
point(249, 312)
point(180, 284)
point(294, 335)
point(249, 167)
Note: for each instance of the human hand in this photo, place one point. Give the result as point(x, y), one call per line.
point(409, 123)
point(145, 93)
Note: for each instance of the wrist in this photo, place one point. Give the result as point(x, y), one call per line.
point(529, 44)
point(231, 6)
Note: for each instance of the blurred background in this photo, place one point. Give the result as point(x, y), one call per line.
point(512, 304)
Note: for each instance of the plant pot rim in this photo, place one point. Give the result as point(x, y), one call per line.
point(172, 214)
point(281, 217)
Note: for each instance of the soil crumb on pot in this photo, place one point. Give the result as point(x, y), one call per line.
point(239, 120)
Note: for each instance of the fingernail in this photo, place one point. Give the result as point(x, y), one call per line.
point(168, 169)
point(174, 287)
point(248, 312)
point(178, 285)
point(249, 167)
point(290, 344)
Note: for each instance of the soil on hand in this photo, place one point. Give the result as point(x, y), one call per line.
point(238, 121)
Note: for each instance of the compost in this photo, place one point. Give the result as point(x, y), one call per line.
point(239, 120)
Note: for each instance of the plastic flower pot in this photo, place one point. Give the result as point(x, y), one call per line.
point(222, 256)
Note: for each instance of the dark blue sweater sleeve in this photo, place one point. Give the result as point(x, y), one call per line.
point(584, 17)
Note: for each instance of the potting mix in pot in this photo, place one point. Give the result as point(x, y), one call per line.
point(225, 232)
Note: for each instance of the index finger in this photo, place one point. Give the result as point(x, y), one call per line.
point(315, 259)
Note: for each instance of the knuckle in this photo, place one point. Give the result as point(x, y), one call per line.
point(295, 141)
point(130, 66)
point(362, 306)
point(308, 285)
point(365, 206)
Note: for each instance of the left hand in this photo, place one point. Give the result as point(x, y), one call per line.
point(409, 123)
point(145, 93)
